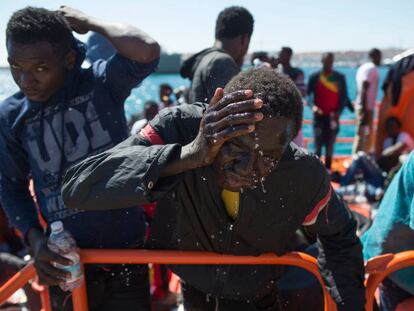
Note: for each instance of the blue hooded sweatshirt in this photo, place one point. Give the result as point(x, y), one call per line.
point(41, 140)
point(393, 227)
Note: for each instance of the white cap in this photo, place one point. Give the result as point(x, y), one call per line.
point(56, 226)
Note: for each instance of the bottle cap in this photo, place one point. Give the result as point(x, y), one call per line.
point(56, 226)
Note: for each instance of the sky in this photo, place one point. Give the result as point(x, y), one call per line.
point(305, 25)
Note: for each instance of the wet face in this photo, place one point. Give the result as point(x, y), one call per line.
point(245, 161)
point(38, 69)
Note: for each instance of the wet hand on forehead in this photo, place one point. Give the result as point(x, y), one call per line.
point(226, 117)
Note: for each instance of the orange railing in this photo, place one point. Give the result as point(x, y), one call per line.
point(94, 256)
point(347, 140)
point(377, 269)
point(380, 267)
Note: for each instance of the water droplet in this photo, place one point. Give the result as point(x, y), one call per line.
point(262, 181)
point(212, 236)
point(256, 146)
point(203, 178)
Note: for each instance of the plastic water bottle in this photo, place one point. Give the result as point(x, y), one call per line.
point(62, 242)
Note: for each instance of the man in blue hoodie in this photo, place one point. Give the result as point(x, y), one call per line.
point(61, 115)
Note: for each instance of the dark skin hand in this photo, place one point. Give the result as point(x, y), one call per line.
point(44, 259)
point(226, 117)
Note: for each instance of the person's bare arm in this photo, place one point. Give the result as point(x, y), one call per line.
point(44, 259)
point(128, 40)
point(394, 150)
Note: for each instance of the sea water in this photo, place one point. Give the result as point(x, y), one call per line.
point(149, 89)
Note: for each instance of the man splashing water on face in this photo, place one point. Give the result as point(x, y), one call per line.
point(208, 162)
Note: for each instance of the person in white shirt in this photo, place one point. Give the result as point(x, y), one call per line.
point(367, 79)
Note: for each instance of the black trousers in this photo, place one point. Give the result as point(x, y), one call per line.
point(110, 287)
point(325, 136)
point(195, 300)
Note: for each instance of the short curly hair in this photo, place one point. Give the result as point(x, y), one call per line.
point(279, 94)
point(234, 21)
point(32, 25)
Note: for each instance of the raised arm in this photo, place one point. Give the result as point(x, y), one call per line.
point(128, 40)
point(139, 171)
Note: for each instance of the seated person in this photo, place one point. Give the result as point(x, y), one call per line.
point(392, 232)
point(375, 172)
point(233, 183)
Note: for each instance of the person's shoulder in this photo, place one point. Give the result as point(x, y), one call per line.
point(11, 107)
point(405, 137)
point(315, 75)
point(187, 111)
point(182, 116)
point(297, 70)
point(179, 123)
point(220, 58)
point(338, 74)
point(303, 158)
point(304, 167)
point(367, 67)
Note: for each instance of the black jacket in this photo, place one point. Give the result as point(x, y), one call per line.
point(298, 192)
point(342, 88)
point(394, 77)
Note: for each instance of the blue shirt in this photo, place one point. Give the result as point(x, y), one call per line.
point(42, 140)
point(393, 227)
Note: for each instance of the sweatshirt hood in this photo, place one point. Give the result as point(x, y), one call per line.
point(190, 65)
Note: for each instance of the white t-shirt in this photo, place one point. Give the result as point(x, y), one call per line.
point(403, 137)
point(367, 72)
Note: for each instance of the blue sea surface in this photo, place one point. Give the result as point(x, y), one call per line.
point(149, 90)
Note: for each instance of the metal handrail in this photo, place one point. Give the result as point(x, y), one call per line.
point(113, 256)
point(378, 268)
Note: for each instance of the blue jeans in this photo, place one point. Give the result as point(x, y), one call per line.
point(372, 174)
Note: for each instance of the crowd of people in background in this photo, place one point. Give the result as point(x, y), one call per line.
point(210, 167)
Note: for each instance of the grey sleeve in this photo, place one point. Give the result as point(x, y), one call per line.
point(126, 175)
point(219, 73)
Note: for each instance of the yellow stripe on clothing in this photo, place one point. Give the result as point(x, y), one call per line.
point(231, 201)
point(326, 82)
